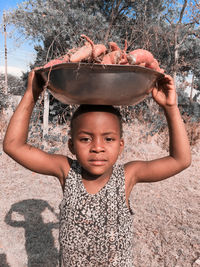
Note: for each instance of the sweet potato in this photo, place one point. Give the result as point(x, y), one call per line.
point(53, 62)
point(139, 56)
point(113, 46)
point(65, 58)
point(124, 60)
point(111, 58)
point(97, 49)
point(83, 53)
point(97, 53)
point(154, 65)
point(123, 56)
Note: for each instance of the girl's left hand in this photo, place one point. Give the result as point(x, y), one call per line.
point(165, 94)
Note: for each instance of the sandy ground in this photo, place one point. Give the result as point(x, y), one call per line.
point(166, 214)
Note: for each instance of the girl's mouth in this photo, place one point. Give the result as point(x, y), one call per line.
point(98, 162)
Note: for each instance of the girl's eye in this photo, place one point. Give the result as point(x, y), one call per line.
point(85, 139)
point(109, 139)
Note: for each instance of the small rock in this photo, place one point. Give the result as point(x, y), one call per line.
point(197, 261)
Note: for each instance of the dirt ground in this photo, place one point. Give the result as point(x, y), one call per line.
point(166, 214)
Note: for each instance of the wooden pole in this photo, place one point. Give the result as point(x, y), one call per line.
point(46, 114)
point(5, 45)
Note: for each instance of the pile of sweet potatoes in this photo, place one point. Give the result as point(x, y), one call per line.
point(98, 53)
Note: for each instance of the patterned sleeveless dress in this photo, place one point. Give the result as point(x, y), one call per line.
point(95, 229)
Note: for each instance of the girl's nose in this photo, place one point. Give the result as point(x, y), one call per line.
point(97, 146)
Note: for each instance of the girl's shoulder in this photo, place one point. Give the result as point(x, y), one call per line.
point(67, 165)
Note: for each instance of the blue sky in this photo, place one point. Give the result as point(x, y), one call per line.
point(20, 53)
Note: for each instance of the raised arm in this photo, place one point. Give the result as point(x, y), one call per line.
point(15, 141)
point(179, 156)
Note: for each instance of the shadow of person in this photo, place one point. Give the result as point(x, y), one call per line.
point(3, 260)
point(39, 241)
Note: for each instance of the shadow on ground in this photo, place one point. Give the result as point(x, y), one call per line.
point(3, 261)
point(39, 241)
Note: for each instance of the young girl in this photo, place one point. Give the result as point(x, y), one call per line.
point(95, 217)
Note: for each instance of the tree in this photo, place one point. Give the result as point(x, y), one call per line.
point(159, 26)
point(168, 29)
point(183, 22)
point(15, 84)
point(57, 25)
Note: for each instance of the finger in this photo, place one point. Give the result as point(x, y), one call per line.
point(154, 92)
point(165, 83)
point(169, 79)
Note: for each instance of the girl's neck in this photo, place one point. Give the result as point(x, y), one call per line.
point(91, 177)
point(93, 184)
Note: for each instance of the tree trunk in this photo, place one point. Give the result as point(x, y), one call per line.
point(176, 41)
point(191, 89)
point(176, 55)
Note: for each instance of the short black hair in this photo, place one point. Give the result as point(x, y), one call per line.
point(85, 108)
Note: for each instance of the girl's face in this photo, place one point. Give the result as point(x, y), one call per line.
point(96, 142)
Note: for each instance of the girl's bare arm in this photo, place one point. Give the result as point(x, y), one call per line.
point(179, 156)
point(15, 141)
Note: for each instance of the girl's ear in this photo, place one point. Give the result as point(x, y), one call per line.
point(121, 146)
point(71, 146)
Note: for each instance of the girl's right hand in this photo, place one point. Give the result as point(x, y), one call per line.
point(35, 84)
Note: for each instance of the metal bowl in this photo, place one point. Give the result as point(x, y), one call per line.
point(82, 83)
